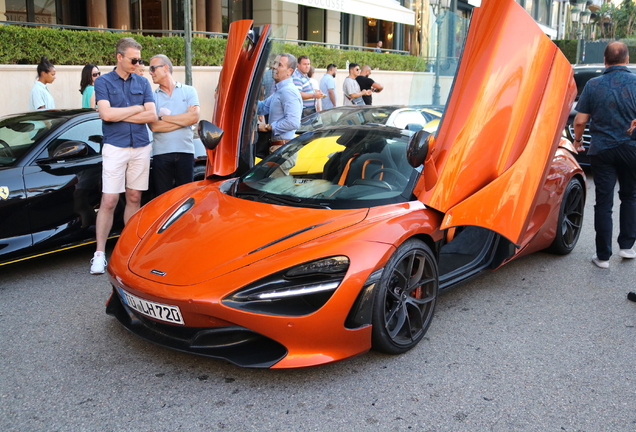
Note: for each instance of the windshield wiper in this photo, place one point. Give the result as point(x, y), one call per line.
point(278, 199)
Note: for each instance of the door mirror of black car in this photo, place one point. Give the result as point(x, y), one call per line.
point(210, 134)
point(70, 149)
point(418, 147)
point(96, 139)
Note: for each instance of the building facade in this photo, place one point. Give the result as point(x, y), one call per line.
point(402, 25)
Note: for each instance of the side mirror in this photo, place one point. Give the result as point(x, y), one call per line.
point(210, 134)
point(99, 139)
point(418, 147)
point(70, 149)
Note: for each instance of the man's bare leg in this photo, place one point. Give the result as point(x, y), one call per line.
point(103, 225)
point(133, 203)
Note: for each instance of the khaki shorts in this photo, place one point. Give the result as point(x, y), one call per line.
point(125, 167)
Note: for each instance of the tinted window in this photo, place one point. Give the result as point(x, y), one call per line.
point(19, 134)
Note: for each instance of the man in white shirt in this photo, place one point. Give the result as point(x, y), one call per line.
point(351, 88)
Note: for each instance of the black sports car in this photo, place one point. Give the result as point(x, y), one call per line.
point(50, 181)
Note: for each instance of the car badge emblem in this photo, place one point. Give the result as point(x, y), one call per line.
point(4, 192)
point(158, 272)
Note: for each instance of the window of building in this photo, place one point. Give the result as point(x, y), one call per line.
point(351, 29)
point(312, 23)
point(529, 5)
point(378, 30)
point(35, 11)
point(234, 10)
point(543, 13)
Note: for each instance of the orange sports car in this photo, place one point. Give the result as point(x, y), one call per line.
point(264, 268)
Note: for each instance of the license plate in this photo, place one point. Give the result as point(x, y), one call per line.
point(159, 311)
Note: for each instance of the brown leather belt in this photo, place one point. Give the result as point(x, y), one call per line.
point(279, 142)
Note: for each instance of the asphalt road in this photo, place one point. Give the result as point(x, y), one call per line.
point(547, 343)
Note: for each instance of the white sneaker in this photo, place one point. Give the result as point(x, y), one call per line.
point(627, 253)
point(600, 263)
point(98, 263)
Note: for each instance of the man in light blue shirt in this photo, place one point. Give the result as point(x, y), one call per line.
point(173, 145)
point(285, 106)
point(328, 87)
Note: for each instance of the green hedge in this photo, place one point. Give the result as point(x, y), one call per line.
point(26, 45)
point(321, 56)
point(568, 48)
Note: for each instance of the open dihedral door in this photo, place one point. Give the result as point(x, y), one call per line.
point(503, 122)
point(237, 93)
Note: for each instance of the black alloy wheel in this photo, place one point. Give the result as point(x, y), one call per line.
point(405, 298)
point(570, 218)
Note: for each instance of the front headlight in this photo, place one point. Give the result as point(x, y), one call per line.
point(297, 291)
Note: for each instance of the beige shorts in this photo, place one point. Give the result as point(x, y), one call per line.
point(125, 167)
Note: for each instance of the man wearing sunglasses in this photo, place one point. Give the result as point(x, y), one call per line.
point(173, 145)
point(351, 88)
point(126, 104)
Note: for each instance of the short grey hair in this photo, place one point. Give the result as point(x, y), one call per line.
point(164, 59)
point(124, 43)
point(291, 60)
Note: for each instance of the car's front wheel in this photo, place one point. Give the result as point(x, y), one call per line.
point(570, 218)
point(405, 298)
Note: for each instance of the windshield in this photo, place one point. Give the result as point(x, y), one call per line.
point(413, 118)
point(19, 133)
point(350, 167)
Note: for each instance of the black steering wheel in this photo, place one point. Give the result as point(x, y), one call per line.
point(390, 171)
point(6, 148)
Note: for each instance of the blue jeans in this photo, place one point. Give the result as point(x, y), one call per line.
point(170, 170)
point(618, 163)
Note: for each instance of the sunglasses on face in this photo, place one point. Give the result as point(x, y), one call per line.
point(152, 68)
point(96, 74)
point(134, 61)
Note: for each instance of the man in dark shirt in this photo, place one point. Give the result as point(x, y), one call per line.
point(126, 104)
point(367, 83)
point(609, 103)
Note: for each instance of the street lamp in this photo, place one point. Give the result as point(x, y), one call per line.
point(580, 16)
point(438, 7)
point(585, 20)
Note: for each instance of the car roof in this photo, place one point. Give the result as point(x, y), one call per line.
point(54, 114)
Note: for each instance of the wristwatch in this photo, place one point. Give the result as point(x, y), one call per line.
point(578, 140)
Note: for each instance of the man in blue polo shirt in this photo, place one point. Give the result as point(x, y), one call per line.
point(173, 144)
point(125, 104)
point(609, 103)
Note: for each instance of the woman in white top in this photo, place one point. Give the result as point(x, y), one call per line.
point(40, 98)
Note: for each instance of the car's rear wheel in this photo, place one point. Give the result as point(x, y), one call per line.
point(405, 298)
point(570, 218)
